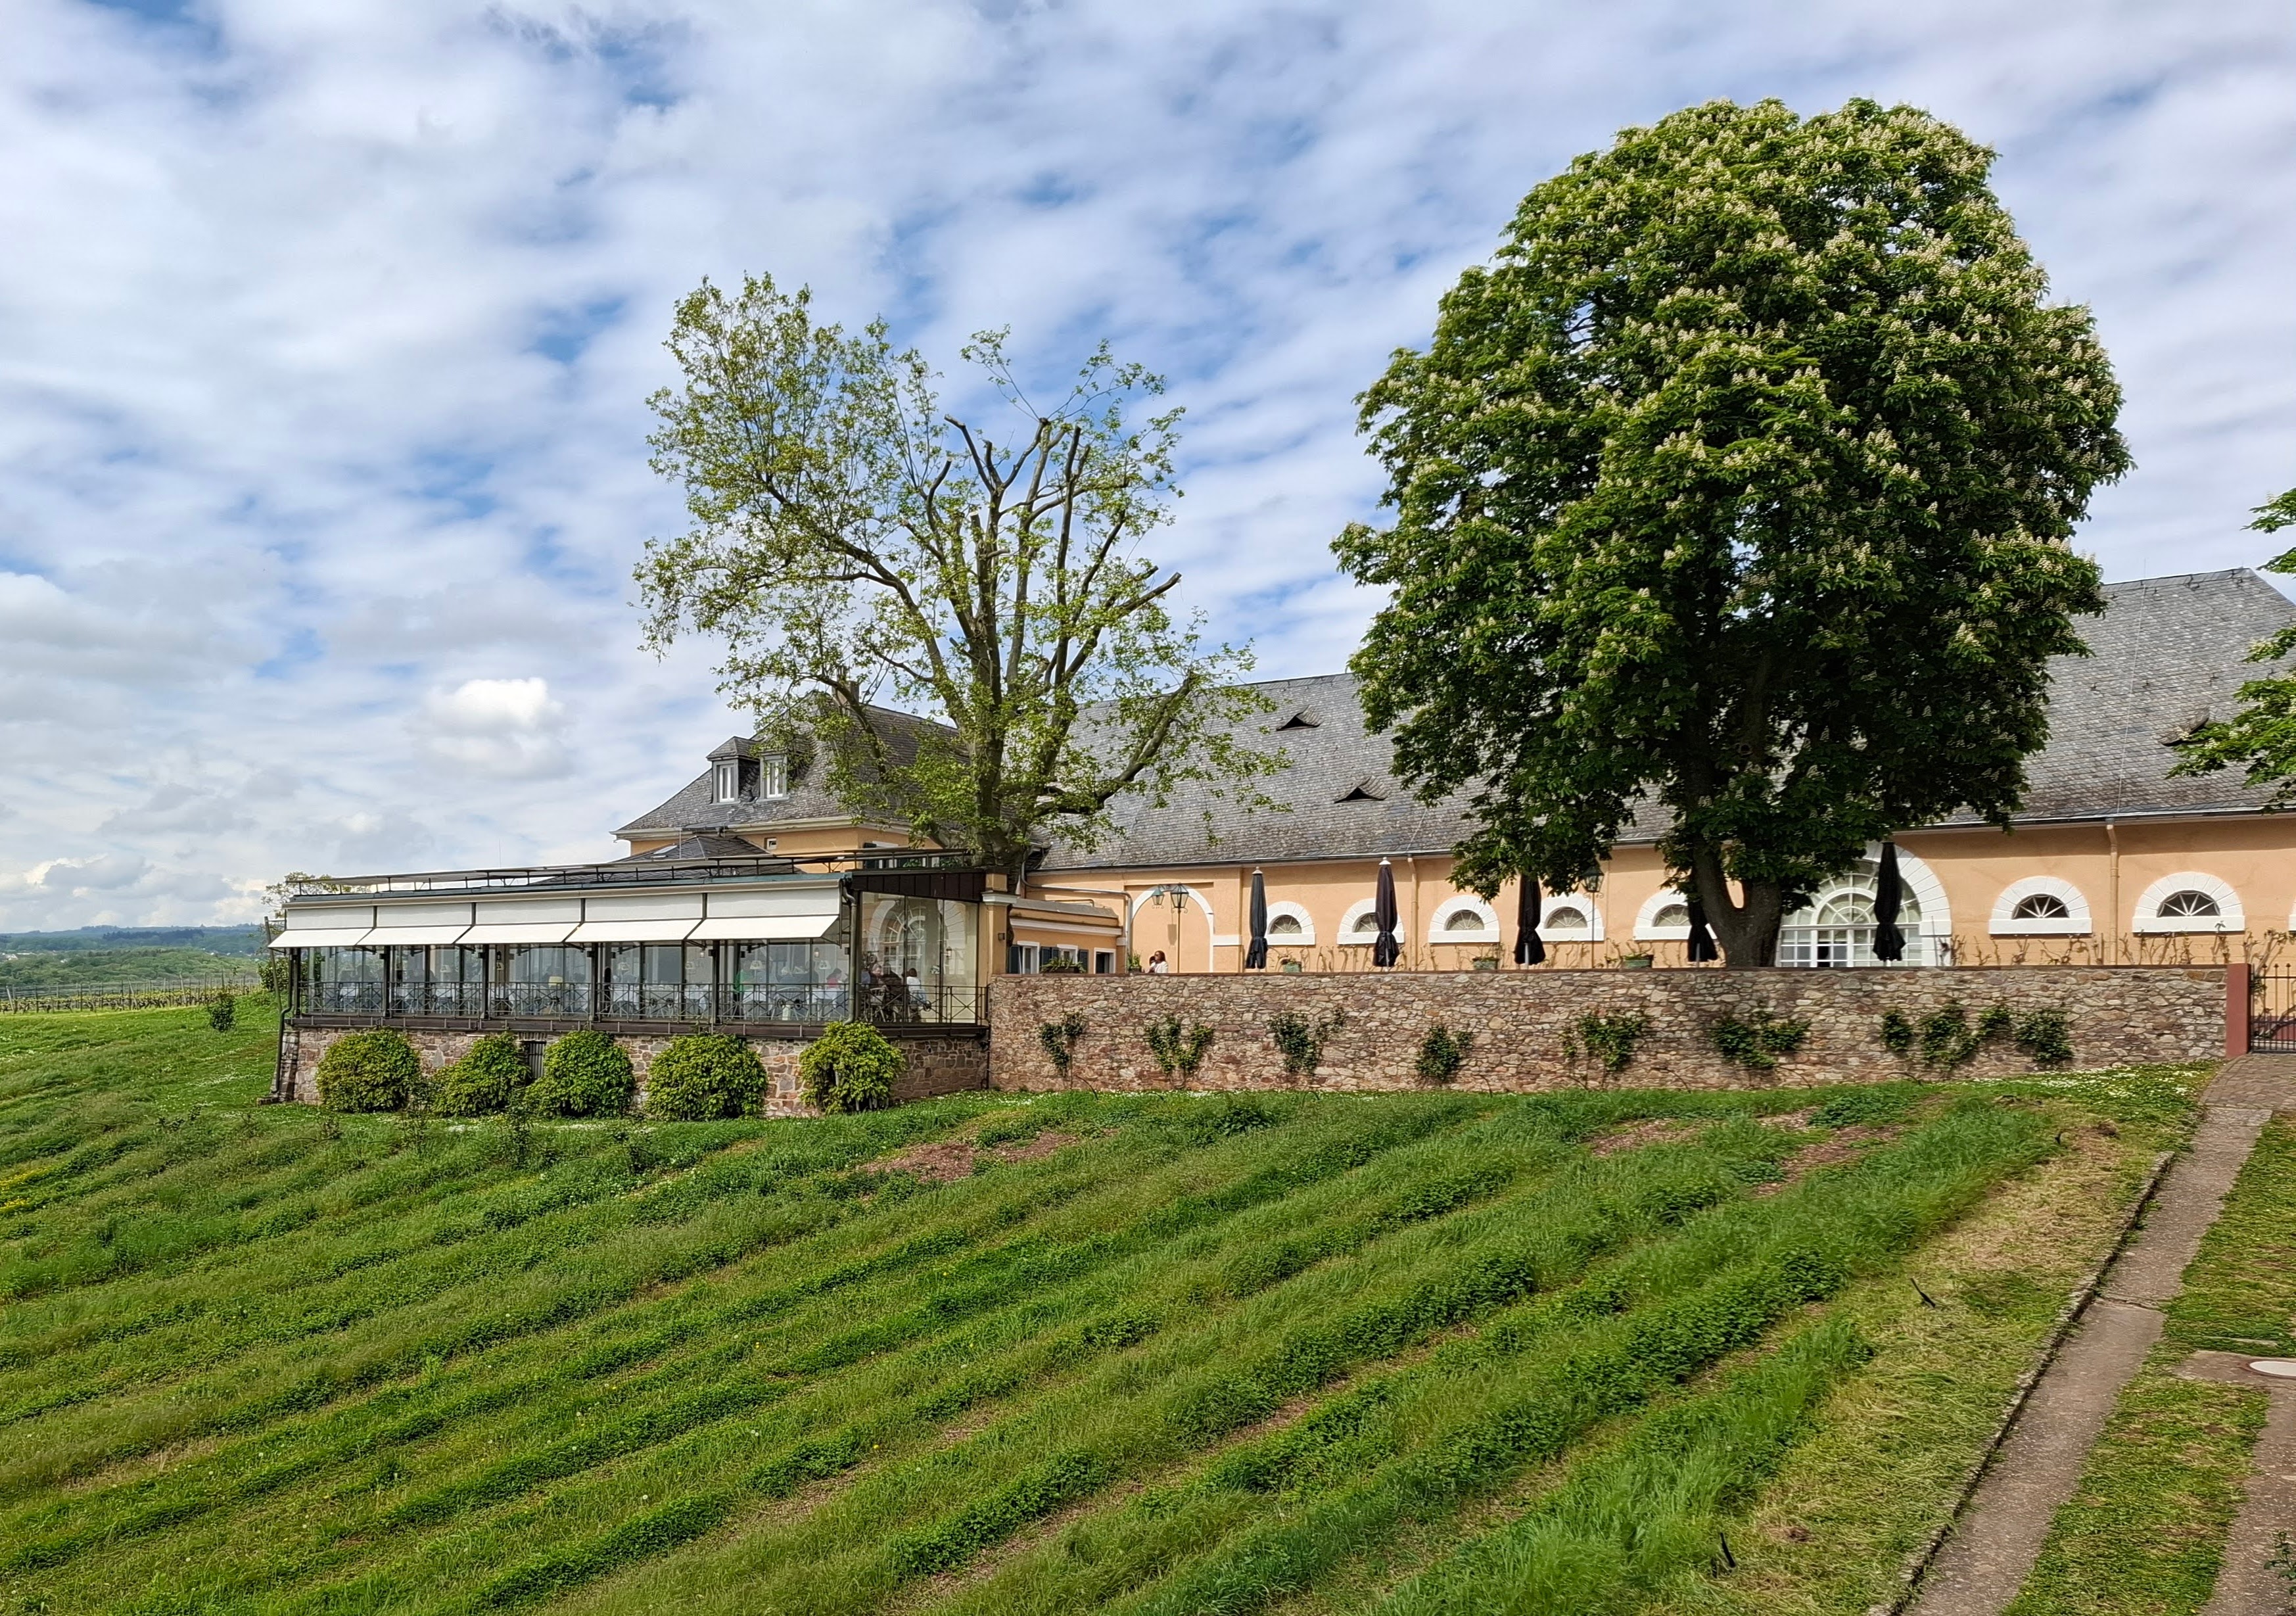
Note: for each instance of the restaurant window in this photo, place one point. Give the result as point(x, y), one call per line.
point(790, 981)
point(917, 959)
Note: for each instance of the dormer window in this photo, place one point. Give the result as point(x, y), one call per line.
point(1301, 720)
point(773, 777)
point(726, 781)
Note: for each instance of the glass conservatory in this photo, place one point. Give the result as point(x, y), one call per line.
point(737, 941)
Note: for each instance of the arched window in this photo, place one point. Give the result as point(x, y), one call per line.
point(2040, 905)
point(2191, 901)
point(1673, 915)
point(1285, 925)
point(1464, 919)
point(1367, 924)
point(1359, 926)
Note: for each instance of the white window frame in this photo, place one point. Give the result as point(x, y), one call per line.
point(1485, 933)
point(1584, 903)
point(2005, 923)
point(2148, 920)
point(1304, 938)
point(1351, 939)
point(1646, 927)
point(726, 781)
point(773, 777)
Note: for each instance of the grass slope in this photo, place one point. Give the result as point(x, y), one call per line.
point(1158, 1353)
point(2144, 1532)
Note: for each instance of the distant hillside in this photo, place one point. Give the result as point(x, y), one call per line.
point(75, 967)
point(246, 942)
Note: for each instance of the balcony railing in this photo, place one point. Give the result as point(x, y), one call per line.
point(1841, 947)
point(887, 1003)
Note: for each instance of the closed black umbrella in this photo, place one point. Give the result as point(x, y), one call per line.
point(1702, 940)
point(1528, 949)
point(1385, 950)
point(1255, 957)
point(1889, 942)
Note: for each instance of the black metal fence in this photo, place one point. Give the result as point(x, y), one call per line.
point(2272, 1012)
point(888, 1003)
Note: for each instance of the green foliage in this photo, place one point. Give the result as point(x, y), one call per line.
point(1300, 1041)
point(1060, 1041)
point(1610, 1039)
point(1947, 1039)
point(858, 550)
point(1756, 1039)
point(850, 1068)
point(1442, 1053)
point(375, 1070)
point(1863, 1107)
point(2261, 737)
point(486, 1080)
point(223, 1009)
point(1061, 964)
point(2046, 1037)
point(1897, 1035)
point(1756, 423)
point(704, 1077)
point(583, 1074)
point(1177, 1054)
point(328, 1344)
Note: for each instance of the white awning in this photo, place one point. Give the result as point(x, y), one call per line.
point(763, 927)
point(534, 931)
point(321, 936)
point(632, 931)
point(414, 937)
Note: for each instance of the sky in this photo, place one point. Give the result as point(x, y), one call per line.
point(326, 331)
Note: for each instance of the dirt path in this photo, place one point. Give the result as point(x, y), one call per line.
point(1993, 1546)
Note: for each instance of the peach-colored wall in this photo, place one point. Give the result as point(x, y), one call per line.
point(2255, 855)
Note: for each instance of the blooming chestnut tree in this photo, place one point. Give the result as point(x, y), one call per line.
point(1738, 487)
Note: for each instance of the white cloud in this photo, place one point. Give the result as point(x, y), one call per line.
point(324, 333)
point(504, 729)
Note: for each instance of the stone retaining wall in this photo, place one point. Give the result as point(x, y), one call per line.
point(1523, 1023)
point(939, 1063)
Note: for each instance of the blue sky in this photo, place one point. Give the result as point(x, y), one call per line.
point(325, 330)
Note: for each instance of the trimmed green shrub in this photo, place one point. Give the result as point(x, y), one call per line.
point(1060, 1041)
point(1756, 1039)
point(850, 1067)
point(2046, 1037)
point(373, 1071)
point(223, 1010)
point(1177, 1054)
point(1441, 1054)
point(702, 1077)
point(1300, 1041)
point(1611, 1039)
point(485, 1080)
point(583, 1074)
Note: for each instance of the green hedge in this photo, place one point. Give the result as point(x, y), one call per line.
point(702, 1077)
point(583, 1074)
point(849, 1067)
point(485, 1080)
point(374, 1070)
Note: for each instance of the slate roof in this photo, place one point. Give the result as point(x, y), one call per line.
point(2166, 653)
point(693, 811)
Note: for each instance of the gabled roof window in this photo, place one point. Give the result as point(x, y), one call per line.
point(1364, 790)
point(1302, 720)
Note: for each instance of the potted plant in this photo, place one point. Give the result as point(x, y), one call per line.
point(1635, 962)
point(1290, 967)
point(1486, 962)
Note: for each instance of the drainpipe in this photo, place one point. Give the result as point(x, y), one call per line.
point(2113, 891)
point(1417, 921)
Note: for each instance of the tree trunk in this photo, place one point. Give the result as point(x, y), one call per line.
point(1746, 932)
